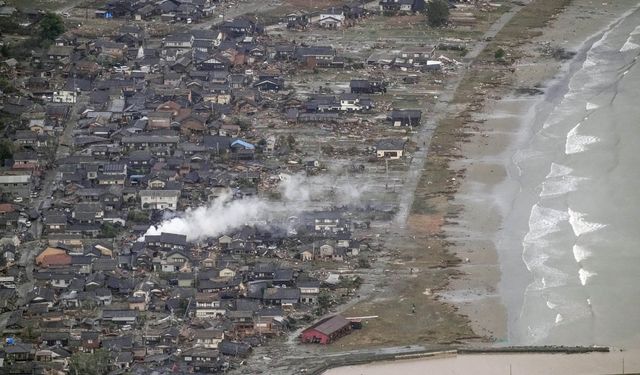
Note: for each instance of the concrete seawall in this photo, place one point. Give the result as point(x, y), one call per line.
point(367, 358)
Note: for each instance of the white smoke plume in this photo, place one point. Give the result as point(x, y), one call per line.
point(224, 214)
point(220, 216)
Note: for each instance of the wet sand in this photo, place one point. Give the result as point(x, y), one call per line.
point(617, 362)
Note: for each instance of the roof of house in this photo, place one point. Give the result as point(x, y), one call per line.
point(281, 293)
point(160, 193)
point(205, 334)
point(390, 144)
point(330, 325)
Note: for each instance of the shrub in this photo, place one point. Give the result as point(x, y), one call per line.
point(437, 13)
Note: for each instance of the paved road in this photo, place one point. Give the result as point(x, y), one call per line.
point(51, 180)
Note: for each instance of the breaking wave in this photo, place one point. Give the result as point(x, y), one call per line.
point(577, 143)
point(580, 253)
point(543, 221)
point(580, 226)
point(585, 276)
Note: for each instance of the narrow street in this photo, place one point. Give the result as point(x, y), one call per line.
point(51, 178)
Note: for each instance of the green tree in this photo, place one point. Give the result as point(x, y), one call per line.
point(499, 54)
point(6, 150)
point(324, 302)
point(51, 26)
point(437, 13)
point(291, 141)
point(6, 86)
point(96, 363)
point(109, 230)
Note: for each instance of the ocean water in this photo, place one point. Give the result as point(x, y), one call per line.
point(570, 245)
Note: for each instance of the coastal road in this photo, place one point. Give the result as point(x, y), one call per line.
point(423, 134)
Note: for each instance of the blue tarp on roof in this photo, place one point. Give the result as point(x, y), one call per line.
point(244, 144)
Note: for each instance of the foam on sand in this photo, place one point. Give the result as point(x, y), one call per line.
point(585, 276)
point(580, 253)
point(578, 143)
point(580, 225)
point(559, 319)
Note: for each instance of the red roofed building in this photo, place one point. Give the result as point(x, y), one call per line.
point(327, 330)
point(53, 257)
point(6, 208)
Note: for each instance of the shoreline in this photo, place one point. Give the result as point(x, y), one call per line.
point(490, 183)
point(491, 362)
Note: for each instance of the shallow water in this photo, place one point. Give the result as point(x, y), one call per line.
point(568, 249)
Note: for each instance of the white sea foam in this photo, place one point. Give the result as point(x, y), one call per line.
point(636, 31)
point(591, 106)
point(589, 62)
point(533, 259)
point(559, 319)
point(545, 277)
point(580, 226)
point(560, 185)
point(585, 275)
point(629, 46)
point(558, 170)
point(551, 305)
point(577, 143)
point(543, 221)
point(580, 253)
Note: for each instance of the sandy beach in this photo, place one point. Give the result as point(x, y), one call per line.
point(488, 187)
point(516, 364)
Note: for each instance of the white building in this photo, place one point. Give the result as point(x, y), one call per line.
point(65, 96)
point(159, 199)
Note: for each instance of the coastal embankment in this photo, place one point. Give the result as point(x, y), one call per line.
point(517, 360)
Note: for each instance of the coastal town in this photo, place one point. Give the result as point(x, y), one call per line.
point(186, 181)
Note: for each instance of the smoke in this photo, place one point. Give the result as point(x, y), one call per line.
point(225, 214)
point(219, 216)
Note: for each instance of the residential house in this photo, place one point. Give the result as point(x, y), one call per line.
point(120, 316)
point(365, 86)
point(402, 6)
point(269, 83)
point(281, 296)
point(309, 291)
point(391, 149)
point(208, 305)
point(208, 338)
point(405, 117)
point(159, 199)
point(238, 27)
point(331, 18)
